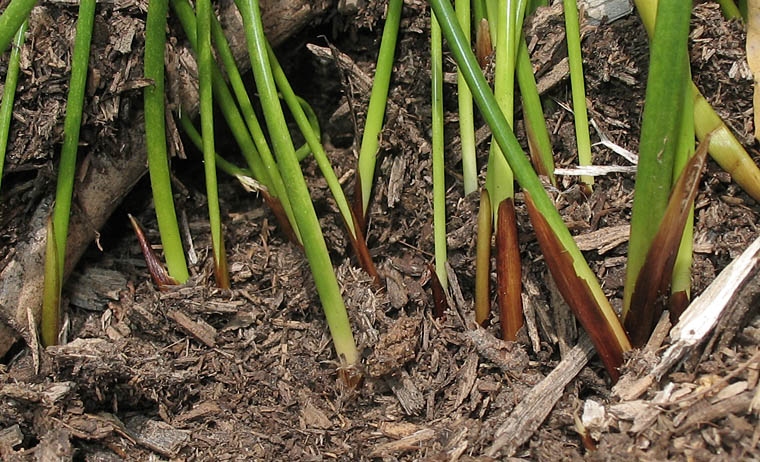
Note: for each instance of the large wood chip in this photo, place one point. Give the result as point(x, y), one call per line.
point(533, 409)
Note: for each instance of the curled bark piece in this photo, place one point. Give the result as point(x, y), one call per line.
point(111, 176)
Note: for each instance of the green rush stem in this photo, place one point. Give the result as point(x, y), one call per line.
point(313, 240)
point(535, 124)
point(499, 177)
point(666, 83)
point(730, 10)
point(514, 154)
point(377, 101)
point(226, 102)
point(155, 137)
point(466, 114)
point(205, 77)
point(439, 176)
point(9, 92)
point(478, 13)
point(302, 120)
point(681, 281)
point(492, 9)
point(14, 15)
point(71, 125)
point(580, 114)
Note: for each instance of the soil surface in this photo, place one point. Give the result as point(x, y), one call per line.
point(196, 373)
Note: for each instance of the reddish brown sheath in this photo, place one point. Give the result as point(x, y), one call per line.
point(508, 271)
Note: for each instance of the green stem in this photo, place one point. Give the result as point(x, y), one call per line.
point(583, 140)
point(682, 267)
point(304, 124)
point(668, 71)
point(439, 177)
point(155, 137)
point(14, 15)
point(377, 101)
point(9, 92)
point(730, 10)
point(314, 243)
point(535, 124)
point(499, 177)
point(205, 77)
point(58, 227)
point(466, 114)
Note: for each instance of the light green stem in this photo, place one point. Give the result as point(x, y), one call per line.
point(439, 176)
point(377, 101)
point(313, 241)
point(9, 93)
point(583, 139)
point(155, 137)
point(205, 77)
point(466, 114)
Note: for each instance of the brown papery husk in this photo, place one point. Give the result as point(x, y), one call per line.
point(654, 277)
point(577, 293)
point(157, 271)
point(359, 244)
point(439, 295)
point(357, 207)
point(483, 46)
point(483, 260)
point(508, 271)
point(221, 272)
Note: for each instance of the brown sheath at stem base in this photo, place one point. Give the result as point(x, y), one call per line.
point(508, 271)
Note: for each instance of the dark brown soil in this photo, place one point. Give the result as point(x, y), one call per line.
point(195, 373)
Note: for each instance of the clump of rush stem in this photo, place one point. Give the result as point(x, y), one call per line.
point(311, 234)
point(569, 268)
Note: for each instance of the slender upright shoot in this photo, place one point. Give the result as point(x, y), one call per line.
point(439, 177)
point(9, 93)
point(205, 77)
point(377, 100)
point(313, 241)
point(155, 138)
point(67, 166)
point(582, 137)
point(466, 114)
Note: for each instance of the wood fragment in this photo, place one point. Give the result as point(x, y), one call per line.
point(200, 330)
point(703, 313)
point(11, 436)
point(533, 409)
point(508, 356)
point(408, 443)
